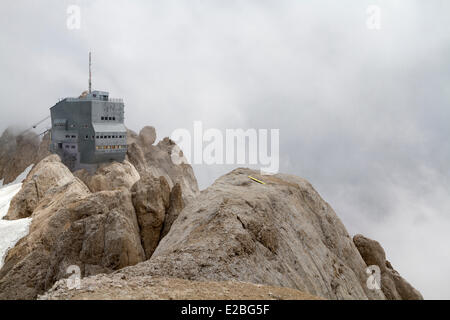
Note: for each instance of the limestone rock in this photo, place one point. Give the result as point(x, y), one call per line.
point(156, 160)
point(279, 234)
point(147, 135)
point(393, 285)
point(49, 173)
point(175, 207)
point(151, 200)
point(98, 232)
point(110, 176)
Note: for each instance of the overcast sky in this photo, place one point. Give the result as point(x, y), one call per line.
point(363, 114)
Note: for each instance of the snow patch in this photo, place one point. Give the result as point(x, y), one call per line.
point(11, 231)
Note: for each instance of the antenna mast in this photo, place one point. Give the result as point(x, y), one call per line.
point(90, 74)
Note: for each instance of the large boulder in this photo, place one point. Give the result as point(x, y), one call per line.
point(393, 285)
point(147, 135)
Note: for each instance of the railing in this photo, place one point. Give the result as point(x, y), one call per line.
point(71, 99)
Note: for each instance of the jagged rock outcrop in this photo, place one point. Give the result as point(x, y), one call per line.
point(393, 285)
point(156, 160)
point(280, 233)
point(49, 173)
point(98, 232)
point(117, 287)
point(94, 226)
point(17, 152)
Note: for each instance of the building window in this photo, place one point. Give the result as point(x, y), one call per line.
point(73, 147)
point(96, 137)
point(114, 118)
point(87, 137)
point(67, 136)
point(73, 137)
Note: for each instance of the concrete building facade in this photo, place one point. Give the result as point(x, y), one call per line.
point(88, 130)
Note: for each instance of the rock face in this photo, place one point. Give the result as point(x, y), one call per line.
point(156, 209)
point(393, 285)
point(111, 220)
point(156, 160)
point(279, 234)
point(98, 232)
point(151, 200)
point(176, 204)
point(17, 152)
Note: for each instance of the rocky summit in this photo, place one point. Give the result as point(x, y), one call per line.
point(141, 229)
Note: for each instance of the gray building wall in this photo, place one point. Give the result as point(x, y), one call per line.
point(89, 130)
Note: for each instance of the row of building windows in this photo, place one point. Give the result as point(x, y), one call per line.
point(110, 147)
point(69, 136)
point(102, 137)
point(110, 137)
point(67, 147)
point(84, 125)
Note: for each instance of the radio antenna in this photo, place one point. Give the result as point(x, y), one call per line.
point(90, 73)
